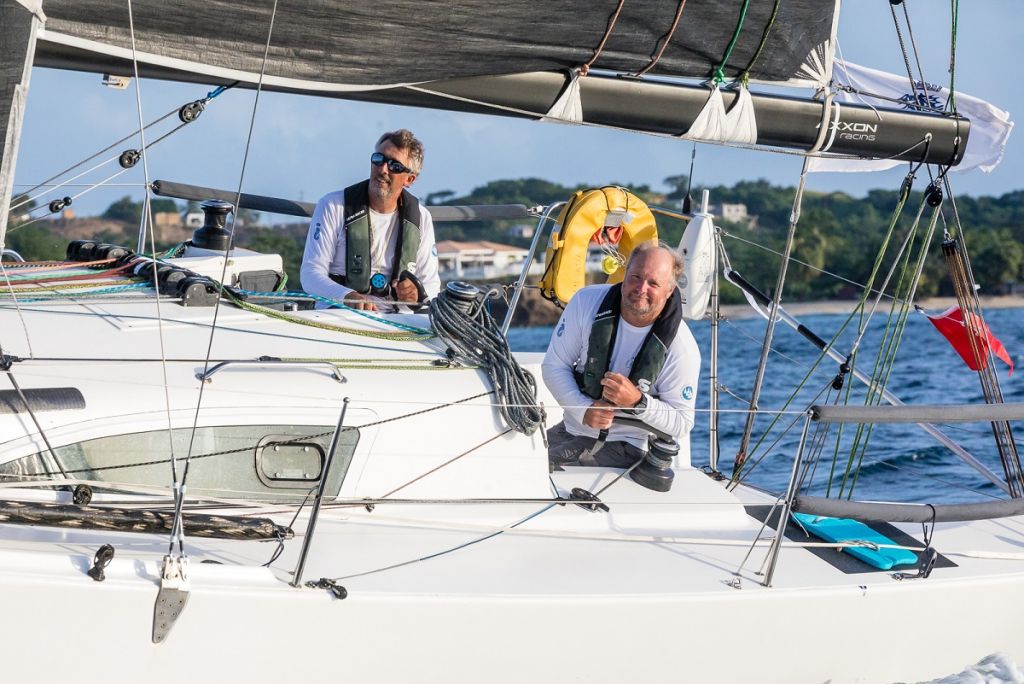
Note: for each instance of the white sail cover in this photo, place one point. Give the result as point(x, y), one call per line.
point(990, 126)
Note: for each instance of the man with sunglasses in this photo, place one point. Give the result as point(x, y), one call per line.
point(373, 241)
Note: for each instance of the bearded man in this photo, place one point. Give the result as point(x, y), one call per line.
point(364, 242)
point(623, 350)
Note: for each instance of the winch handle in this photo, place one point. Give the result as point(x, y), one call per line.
point(636, 422)
point(421, 292)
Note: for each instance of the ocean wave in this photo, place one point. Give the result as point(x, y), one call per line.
point(997, 668)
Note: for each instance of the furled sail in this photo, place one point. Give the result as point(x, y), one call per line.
point(990, 126)
point(645, 61)
point(339, 44)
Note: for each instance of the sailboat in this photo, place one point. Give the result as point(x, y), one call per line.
point(204, 476)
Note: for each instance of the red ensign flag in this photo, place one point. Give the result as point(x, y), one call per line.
point(951, 324)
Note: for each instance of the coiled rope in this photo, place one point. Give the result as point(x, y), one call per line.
point(473, 336)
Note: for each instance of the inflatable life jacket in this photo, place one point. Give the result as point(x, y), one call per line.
point(609, 215)
point(650, 358)
point(359, 271)
point(697, 247)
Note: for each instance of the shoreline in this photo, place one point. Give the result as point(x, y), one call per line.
point(934, 305)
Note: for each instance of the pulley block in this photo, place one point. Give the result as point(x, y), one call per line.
point(129, 158)
point(190, 112)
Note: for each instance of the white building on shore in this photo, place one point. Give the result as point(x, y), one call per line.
point(479, 260)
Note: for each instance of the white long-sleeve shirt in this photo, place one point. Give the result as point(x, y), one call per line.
point(326, 248)
point(673, 394)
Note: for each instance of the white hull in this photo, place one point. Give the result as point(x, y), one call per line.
point(645, 592)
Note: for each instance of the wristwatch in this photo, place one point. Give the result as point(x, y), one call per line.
point(640, 406)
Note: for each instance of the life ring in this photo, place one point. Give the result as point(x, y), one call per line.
point(611, 216)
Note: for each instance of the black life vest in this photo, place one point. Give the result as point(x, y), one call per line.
point(649, 360)
point(358, 269)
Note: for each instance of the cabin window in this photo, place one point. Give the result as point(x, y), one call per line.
point(253, 462)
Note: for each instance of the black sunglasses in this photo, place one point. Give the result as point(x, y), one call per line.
point(394, 166)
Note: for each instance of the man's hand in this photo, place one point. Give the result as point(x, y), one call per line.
point(358, 301)
point(619, 390)
point(405, 291)
point(599, 415)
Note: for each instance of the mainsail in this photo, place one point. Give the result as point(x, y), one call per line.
point(646, 62)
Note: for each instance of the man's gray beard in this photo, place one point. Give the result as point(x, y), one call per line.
point(381, 193)
point(638, 308)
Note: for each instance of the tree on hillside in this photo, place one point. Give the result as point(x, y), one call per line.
point(130, 211)
point(124, 209)
point(271, 241)
point(679, 184)
point(37, 243)
point(996, 258)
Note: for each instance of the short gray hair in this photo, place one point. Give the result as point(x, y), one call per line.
point(652, 245)
point(404, 140)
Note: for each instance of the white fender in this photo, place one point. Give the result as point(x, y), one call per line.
point(697, 247)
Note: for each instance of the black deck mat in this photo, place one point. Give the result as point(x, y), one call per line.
point(844, 562)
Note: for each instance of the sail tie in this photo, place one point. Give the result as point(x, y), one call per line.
point(568, 108)
point(665, 39)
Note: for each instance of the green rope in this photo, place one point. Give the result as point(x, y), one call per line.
point(50, 273)
point(387, 364)
point(401, 336)
point(745, 76)
point(906, 299)
point(48, 289)
point(882, 368)
point(335, 304)
point(951, 102)
point(50, 296)
point(719, 74)
point(905, 188)
point(897, 212)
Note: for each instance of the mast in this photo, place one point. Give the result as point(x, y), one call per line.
point(19, 22)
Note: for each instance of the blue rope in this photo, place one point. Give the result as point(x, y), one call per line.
point(338, 305)
point(103, 291)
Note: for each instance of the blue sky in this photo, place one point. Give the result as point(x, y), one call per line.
point(304, 147)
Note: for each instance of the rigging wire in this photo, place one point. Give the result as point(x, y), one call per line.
point(227, 251)
point(449, 550)
point(906, 58)
point(6, 363)
point(958, 264)
point(50, 188)
point(17, 306)
point(201, 103)
point(794, 218)
point(809, 266)
point(177, 526)
point(888, 362)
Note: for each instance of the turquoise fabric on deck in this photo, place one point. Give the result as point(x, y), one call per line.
point(845, 530)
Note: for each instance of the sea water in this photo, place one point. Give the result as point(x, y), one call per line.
point(899, 462)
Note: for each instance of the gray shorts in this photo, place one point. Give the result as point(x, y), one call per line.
point(566, 449)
